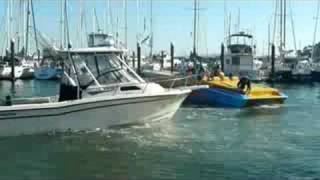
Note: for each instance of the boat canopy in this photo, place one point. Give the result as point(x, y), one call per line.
point(241, 34)
point(240, 43)
point(94, 50)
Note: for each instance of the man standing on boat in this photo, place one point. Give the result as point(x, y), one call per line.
point(243, 83)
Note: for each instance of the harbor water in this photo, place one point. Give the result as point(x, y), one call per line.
point(268, 142)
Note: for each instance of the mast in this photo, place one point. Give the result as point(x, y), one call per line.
point(281, 26)
point(24, 27)
point(293, 30)
point(94, 21)
point(61, 25)
point(151, 28)
point(18, 31)
point(238, 19)
point(224, 19)
point(315, 30)
point(194, 27)
point(275, 23)
point(80, 24)
point(284, 22)
point(35, 29)
point(27, 29)
point(138, 19)
point(126, 23)
point(8, 24)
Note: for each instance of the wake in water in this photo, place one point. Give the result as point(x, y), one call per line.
point(268, 106)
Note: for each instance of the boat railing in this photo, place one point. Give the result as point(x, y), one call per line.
point(178, 81)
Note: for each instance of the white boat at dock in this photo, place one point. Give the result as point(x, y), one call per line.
point(91, 97)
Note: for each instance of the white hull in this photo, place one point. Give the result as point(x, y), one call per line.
point(27, 73)
point(88, 114)
point(5, 72)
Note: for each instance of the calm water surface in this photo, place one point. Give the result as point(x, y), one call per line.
point(271, 142)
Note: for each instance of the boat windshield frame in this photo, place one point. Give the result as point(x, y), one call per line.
point(87, 64)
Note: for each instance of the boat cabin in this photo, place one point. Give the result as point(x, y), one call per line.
point(239, 58)
point(100, 39)
point(94, 70)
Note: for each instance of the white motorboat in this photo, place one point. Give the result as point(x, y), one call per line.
point(98, 90)
point(239, 58)
point(28, 69)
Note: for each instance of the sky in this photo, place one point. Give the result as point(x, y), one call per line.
point(173, 21)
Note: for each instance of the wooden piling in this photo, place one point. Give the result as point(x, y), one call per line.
point(139, 58)
point(133, 60)
point(222, 57)
point(12, 61)
point(172, 56)
point(272, 61)
point(162, 59)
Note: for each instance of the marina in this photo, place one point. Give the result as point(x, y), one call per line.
point(131, 90)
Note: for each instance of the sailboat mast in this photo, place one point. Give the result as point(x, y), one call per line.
point(126, 23)
point(8, 24)
point(151, 28)
point(61, 25)
point(27, 28)
point(315, 30)
point(138, 19)
point(194, 27)
point(35, 29)
point(284, 22)
point(281, 25)
point(275, 23)
point(18, 31)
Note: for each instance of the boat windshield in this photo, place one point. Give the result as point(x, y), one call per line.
point(102, 68)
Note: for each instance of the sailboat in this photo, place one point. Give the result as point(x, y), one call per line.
point(290, 67)
point(23, 61)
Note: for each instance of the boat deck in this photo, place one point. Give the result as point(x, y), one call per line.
point(256, 92)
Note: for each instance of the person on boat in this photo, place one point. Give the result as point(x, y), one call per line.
point(244, 83)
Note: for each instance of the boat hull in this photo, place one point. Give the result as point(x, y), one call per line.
point(47, 73)
point(88, 115)
point(219, 97)
point(5, 72)
point(315, 76)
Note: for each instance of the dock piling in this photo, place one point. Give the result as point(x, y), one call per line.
point(139, 58)
point(222, 57)
point(162, 59)
point(172, 56)
point(272, 61)
point(133, 60)
point(12, 61)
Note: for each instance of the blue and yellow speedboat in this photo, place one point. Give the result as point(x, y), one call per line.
point(224, 92)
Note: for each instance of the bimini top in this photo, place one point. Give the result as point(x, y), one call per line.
point(90, 50)
point(241, 34)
